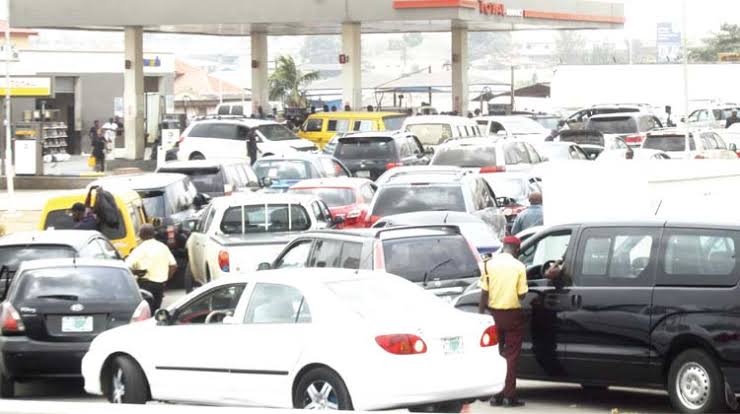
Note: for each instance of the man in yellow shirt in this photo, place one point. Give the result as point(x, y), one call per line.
point(154, 262)
point(503, 284)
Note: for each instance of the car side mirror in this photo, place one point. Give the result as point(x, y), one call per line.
point(201, 200)
point(266, 182)
point(429, 150)
point(503, 201)
point(163, 317)
point(264, 266)
point(733, 147)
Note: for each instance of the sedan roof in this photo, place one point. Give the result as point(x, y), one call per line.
point(332, 182)
point(70, 262)
point(73, 238)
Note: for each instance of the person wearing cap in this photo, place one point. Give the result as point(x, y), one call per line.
point(83, 218)
point(153, 262)
point(531, 217)
point(503, 285)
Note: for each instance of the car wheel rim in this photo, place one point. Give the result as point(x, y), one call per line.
point(693, 386)
point(118, 390)
point(320, 395)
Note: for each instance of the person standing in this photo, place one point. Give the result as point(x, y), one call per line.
point(153, 262)
point(109, 133)
point(531, 217)
point(98, 147)
point(251, 146)
point(503, 285)
point(732, 120)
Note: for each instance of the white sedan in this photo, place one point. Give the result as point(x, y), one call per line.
point(308, 338)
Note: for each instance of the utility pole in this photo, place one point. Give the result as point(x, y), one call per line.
point(9, 173)
point(685, 41)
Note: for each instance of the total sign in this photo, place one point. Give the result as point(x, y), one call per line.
point(498, 9)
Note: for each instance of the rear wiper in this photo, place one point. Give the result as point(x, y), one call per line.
point(60, 297)
point(430, 271)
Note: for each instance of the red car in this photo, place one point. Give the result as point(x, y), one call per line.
point(346, 197)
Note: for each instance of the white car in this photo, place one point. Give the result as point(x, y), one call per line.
point(487, 155)
point(302, 338)
point(239, 232)
point(513, 126)
point(700, 144)
point(226, 137)
point(637, 154)
point(433, 130)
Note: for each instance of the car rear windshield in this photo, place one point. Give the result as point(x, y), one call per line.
point(13, 256)
point(393, 123)
point(613, 125)
point(437, 258)
point(79, 284)
point(270, 218)
point(333, 197)
point(276, 132)
point(205, 180)
point(470, 157)
point(667, 143)
point(431, 134)
point(284, 170)
point(408, 199)
point(62, 220)
point(365, 148)
point(583, 138)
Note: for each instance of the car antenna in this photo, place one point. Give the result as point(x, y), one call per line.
point(446, 216)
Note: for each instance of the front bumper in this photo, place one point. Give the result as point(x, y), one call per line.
point(26, 358)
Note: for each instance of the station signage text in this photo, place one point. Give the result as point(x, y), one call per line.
point(498, 9)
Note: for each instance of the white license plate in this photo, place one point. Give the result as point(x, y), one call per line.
point(363, 174)
point(77, 323)
point(452, 345)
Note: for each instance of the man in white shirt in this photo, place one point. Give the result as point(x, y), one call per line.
point(109, 132)
point(154, 262)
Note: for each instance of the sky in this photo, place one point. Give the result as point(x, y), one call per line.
point(705, 16)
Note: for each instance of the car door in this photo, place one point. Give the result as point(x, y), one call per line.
point(295, 255)
point(484, 201)
point(606, 328)
point(418, 157)
point(267, 344)
point(191, 358)
point(196, 245)
point(543, 350)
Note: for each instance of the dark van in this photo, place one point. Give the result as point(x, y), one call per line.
point(638, 304)
point(370, 154)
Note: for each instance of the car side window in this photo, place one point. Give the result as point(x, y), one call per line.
point(403, 148)
point(209, 220)
point(550, 247)
point(495, 127)
point(277, 304)
point(328, 166)
point(523, 153)
point(326, 253)
point(699, 257)
point(313, 125)
point(222, 299)
point(414, 146)
point(339, 170)
point(534, 156)
point(617, 257)
point(92, 250)
point(223, 131)
point(489, 197)
point(296, 257)
point(318, 212)
point(109, 252)
point(367, 192)
point(351, 255)
point(512, 154)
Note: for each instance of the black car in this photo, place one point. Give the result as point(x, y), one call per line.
point(215, 178)
point(638, 304)
point(438, 258)
point(591, 141)
point(54, 309)
point(171, 202)
point(370, 154)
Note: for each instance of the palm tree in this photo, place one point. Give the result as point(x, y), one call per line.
point(288, 83)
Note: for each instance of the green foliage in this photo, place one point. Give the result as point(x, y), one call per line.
point(726, 41)
point(288, 84)
point(320, 49)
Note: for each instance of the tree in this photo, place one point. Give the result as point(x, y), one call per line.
point(288, 84)
point(320, 49)
point(569, 47)
point(726, 41)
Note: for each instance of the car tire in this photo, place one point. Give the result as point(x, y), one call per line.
point(128, 384)
point(444, 407)
point(7, 387)
point(696, 384)
point(312, 392)
point(197, 156)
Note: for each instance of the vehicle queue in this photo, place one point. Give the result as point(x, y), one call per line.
point(396, 213)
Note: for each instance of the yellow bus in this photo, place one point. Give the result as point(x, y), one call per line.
point(322, 126)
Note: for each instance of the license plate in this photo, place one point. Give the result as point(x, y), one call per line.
point(452, 345)
point(363, 174)
point(77, 323)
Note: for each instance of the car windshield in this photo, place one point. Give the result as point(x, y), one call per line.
point(393, 123)
point(507, 187)
point(431, 134)
point(154, 204)
point(284, 169)
point(265, 218)
point(408, 199)
point(470, 157)
point(276, 132)
point(333, 197)
point(613, 125)
point(439, 258)
point(365, 148)
point(13, 256)
point(84, 284)
point(207, 180)
point(666, 143)
point(582, 137)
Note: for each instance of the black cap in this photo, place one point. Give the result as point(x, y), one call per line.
point(78, 207)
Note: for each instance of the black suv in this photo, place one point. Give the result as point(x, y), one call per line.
point(639, 304)
point(438, 258)
point(370, 154)
point(215, 178)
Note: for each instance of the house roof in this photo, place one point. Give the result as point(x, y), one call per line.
point(198, 84)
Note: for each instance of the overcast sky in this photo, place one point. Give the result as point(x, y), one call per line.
point(705, 16)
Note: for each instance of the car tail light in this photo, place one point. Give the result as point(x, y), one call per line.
point(402, 344)
point(223, 260)
point(378, 256)
point(392, 165)
point(699, 157)
point(142, 312)
point(489, 337)
point(493, 169)
point(634, 139)
point(171, 235)
point(10, 320)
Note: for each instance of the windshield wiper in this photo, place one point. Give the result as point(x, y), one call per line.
point(60, 297)
point(430, 271)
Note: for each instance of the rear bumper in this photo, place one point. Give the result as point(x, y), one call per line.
point(21, 357)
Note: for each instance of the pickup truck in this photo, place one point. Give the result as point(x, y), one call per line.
point(237, 233)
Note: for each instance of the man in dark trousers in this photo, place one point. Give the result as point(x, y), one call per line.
point(98, 147)
point(252, 146)
point(153, 263)
point(732, 120)
point(503, 285)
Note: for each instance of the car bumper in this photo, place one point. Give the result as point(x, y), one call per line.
point(92, 365)
point(26, 358)
point(424, 381)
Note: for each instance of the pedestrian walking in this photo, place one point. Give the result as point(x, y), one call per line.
point(98, 147)
point(251, 147)
point(503, 285)
point(153, 262)
point(531, 217)
point(732, 120)
point(109, 133)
